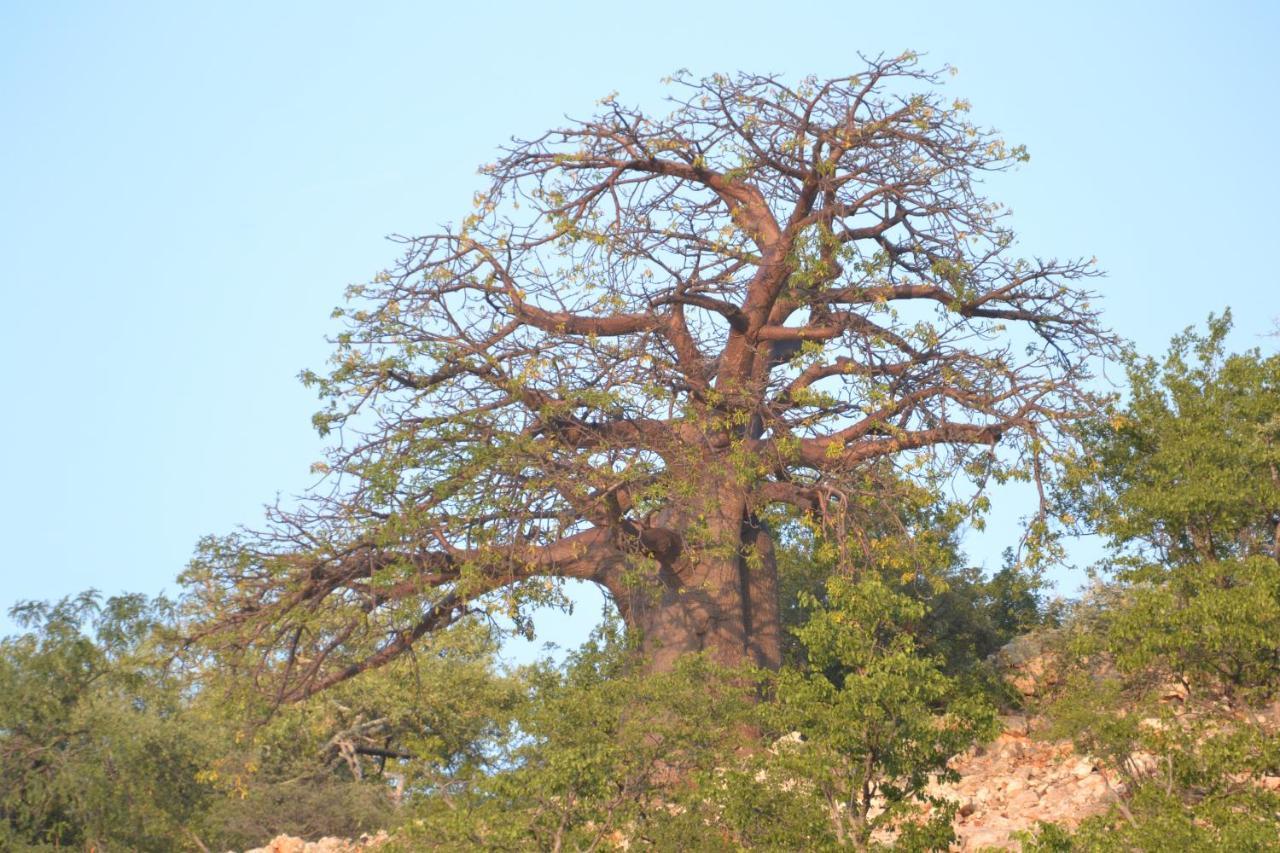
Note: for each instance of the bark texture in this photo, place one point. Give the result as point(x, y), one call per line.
point(722, 602)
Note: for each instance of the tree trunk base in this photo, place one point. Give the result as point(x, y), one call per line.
point(727, 609)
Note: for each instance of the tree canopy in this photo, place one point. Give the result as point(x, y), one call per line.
point(650, 330)
point(1189, 469)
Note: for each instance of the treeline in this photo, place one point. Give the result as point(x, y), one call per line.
point(117, 734)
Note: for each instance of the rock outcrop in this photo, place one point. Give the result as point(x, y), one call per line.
point(1017, 781)
point(290, 844)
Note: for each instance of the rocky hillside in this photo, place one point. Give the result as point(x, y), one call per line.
point(1006, 787)
point(289, 844)
point(1016, 781)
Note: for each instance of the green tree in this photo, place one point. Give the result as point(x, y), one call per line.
point(94, 750)
point(111, 741)
point(1169, 662)
point(651, 330)
point(908, 539)
point(1188, 470)
point(875, 719)
point(1184, 481)
point(348, 761)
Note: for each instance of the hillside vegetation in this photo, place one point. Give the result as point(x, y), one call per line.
point(116, 734)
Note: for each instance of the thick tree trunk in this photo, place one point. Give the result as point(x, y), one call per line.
point(721, 599)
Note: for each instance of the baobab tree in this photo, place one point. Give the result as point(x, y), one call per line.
point(648, 331)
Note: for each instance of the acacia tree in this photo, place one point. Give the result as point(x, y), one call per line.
point(649, 330)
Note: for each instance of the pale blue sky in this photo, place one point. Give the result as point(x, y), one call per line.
point(185, 190)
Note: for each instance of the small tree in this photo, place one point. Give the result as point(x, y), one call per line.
point(1183, 480)
point(650, 330)
point(1188, 471)
point(94, 751)
point(867, 705)
point(346, 762)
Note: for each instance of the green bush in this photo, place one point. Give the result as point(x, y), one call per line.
point(1170, 662)
point(94, 749)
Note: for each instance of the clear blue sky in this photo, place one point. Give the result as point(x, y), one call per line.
point(185, 189)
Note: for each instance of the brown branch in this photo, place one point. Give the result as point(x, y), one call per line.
point(801, 497)
point(814, 452)
point(746, 204)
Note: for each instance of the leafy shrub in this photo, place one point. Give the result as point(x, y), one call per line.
point(94, 751)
